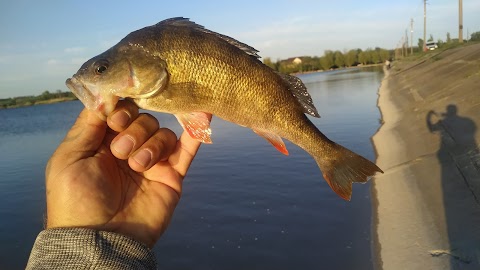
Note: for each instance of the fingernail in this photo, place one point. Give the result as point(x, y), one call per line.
point(124, 145)
point(121, 118)
point(143, 157)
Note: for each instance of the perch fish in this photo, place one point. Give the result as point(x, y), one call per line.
point(179, 67)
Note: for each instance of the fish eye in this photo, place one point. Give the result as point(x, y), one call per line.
point(101, 66)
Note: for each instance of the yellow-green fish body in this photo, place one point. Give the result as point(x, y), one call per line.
point(179, 67)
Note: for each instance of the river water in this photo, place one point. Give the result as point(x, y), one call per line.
point(244, 206)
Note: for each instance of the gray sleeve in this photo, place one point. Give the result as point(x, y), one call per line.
point(80, 248)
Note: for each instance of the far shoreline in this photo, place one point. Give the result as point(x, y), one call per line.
point(344, 68)
point(41, 102)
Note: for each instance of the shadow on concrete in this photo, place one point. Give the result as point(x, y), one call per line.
point(458, 156)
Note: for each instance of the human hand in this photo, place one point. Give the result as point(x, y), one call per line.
point(125, 177)
point(431, 112)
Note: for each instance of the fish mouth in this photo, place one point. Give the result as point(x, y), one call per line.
point(92, 100)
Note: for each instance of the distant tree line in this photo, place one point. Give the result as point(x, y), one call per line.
point(45, 97)
point(330, 60)
point(475, 36)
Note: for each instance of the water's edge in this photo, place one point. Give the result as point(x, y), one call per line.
point(376, 246)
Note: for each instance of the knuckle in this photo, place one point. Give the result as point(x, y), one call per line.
point(144, 126)
point(149, 120)
point(131, 107)
point(159, 144)
point(168, 132)
point(163, 142)
point(159, 141)
point(128, 106)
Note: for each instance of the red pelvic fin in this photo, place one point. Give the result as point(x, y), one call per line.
point(274, 139)
point(197, 125)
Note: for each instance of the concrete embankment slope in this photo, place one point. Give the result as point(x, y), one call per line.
point(427, 204)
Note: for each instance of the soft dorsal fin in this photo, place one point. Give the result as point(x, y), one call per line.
point(299, 91)
point(185, 22)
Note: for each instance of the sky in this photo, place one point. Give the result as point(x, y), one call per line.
point(42, 43)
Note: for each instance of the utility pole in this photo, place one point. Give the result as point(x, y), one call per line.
point(411, 36)
point(425, 25)
point(460, 21)
point(406, 42)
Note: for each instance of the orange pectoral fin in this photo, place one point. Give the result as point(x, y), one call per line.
point(197, 124)
point(274, 139)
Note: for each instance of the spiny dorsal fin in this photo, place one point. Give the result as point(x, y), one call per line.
point(185, 22)
point(299, 91)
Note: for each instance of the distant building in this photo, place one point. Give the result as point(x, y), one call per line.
point(297, 61)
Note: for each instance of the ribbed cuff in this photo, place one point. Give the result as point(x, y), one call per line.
point(68, 248)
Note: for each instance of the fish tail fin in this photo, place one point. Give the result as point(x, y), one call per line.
point(343, 167)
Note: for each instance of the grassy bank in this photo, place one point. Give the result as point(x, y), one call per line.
point(44, 98)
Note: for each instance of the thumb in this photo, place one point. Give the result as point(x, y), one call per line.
point(82, 141)
point(86, 135)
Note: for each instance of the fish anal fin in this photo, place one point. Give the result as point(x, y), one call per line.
point(197, 125)
point(274, 139)
point(343, 167)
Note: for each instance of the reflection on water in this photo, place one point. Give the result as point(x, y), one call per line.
point(244, 206)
